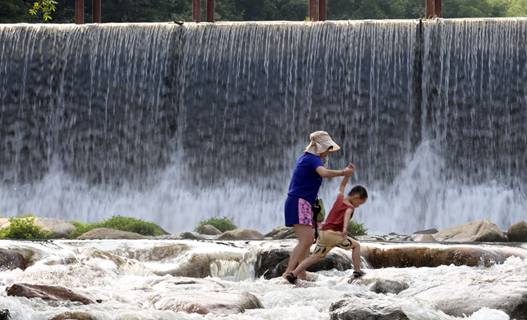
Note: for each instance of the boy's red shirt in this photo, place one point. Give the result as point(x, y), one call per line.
point(336, 215)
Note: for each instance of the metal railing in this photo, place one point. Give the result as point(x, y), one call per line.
point(433, 10)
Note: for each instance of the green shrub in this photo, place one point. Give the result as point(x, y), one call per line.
point(80, 228)
point(222, 224)
point(357, 229)
point(117, 223)
point(24, 229)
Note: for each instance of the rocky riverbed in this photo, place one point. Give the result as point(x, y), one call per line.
point(238, 275)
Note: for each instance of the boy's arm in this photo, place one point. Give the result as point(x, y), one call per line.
point(345, 180)
point(347, 218)
point(342, 186)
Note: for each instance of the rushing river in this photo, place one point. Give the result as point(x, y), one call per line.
point(124, 275)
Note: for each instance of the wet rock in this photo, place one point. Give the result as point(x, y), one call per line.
point(282, 232)
point(210, 230)
point(241, 234)
point(106, 233)
point(197, 266)
point(405, 256)
point(77, 315)
point(423, 237)
point(366, 306)
point(46, 292)
point(273, 262)
point(389, 237)
point(518, 232)
point(4, 314)
point(274, 231)
point(216, 302)
point(186, 236)
point(157, 253)
point(286, 233)
point(427, 231)
point(336, 259)
point(452, 297)
point(11, 259)
point(476, 231)
point(164, 232)
point(388, 286)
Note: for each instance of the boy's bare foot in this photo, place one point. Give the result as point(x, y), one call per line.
point(302, 275)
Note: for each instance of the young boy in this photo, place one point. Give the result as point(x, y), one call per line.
point(334, 232)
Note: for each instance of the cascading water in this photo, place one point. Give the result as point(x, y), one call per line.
point(178, 124)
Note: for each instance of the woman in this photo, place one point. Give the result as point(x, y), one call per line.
point(303, 190)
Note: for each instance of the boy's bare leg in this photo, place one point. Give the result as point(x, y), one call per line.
point(355, 257)
point(301, 251)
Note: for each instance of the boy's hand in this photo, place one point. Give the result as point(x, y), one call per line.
point(344, 234)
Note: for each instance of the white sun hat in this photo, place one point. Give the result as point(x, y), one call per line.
point(320, 142)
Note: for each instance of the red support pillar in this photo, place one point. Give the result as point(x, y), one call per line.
point(196, 11)
point(439, 8)
point(434, 9)
point(313, 10)
point(79, 11)
point(96, 11)
point(322, 10)
point(210, 10)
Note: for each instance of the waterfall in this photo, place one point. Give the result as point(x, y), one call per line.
point(177, 124)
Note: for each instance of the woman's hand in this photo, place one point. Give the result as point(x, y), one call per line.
point(350, 169)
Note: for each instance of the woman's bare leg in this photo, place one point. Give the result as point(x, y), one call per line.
point(301, 251)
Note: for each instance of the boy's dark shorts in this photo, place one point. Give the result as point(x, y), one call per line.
point(329, 239)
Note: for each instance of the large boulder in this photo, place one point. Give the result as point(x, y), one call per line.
point(366, 306)
point(210, 230)
point(220, 303)
point(518, 232)
point(417, 255)
point(282, 232)
point(45, 292)
point(59, 228)
point(106, 233)
point(452, 298)
point(476, 231)
point(241, 234)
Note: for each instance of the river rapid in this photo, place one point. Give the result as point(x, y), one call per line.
point(126, 277)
